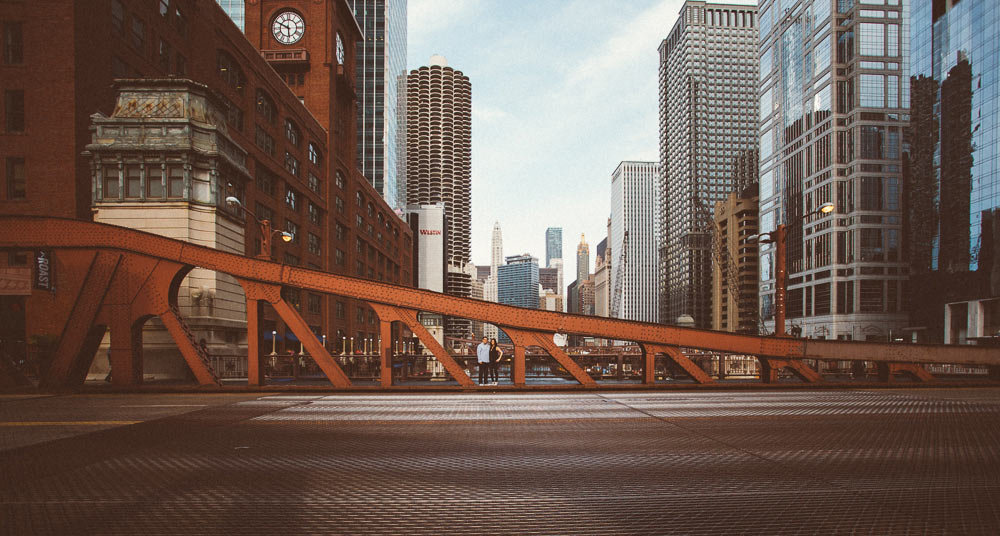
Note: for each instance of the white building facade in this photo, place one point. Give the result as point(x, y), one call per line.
point(633, 210)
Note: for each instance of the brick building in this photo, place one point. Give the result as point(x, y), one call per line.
point(60, 61)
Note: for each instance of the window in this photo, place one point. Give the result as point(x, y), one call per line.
point(359, 268)
point(291, 259)
point(265, 181)
point(871, 296)
point(117, 16)
point(111, 189)
point(872, 90)
point(138, 33)
point(154, 182)
point(230, 71)
point(360, 200)
point(339, 181)
point(314, 183)
point(292, 296)
point(265, 106)
point(293, 229)
point(872, 36)
point(360, 317)
point(264, 141)
point(340, 309)
point(14, 109)
point(339, 204)
point(291, 164)
point(15, 178)
point(234, 114)
point(338, 257)
point(175, 181)
point(164, 7)
point(292, 132)
point(13, 43)
point(341, 232)
point(292, 199)
point(133, 181)
point(164, 56)
point(314, 301)
point(871, 245)
point(314, 214)
point(313, 244)
point(180, 21)
point(181, 70)
point(314, 155)
point(119, 69)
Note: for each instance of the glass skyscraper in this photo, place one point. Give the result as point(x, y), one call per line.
point(833, 105)
point(517, 281)
point(952, 171)
point(708, 115)
point(381, 87)
point(553, 245)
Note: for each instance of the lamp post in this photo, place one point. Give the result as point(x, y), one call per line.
point(274, 338)
point(779, 237)
point(265, 229)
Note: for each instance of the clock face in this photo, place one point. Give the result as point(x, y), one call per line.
point(288, 27)
point(340, 50)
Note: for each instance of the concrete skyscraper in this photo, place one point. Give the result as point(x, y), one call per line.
point(553, 255)
point(439, 163)
point(708, 114)
point(952, 194)
point(834, 99)
point(490, 292)
point(380, 77)
point(582, 260)
point(633, 195)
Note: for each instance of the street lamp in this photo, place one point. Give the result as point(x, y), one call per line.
point(265, 229)
point(779, 237)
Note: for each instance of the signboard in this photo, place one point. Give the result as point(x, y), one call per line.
point(43, 269)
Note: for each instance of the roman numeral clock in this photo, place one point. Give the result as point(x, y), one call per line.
point(288, 27)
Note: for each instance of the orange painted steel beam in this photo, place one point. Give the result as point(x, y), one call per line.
point(385, 352)
point(674, 354)
point(544, 341)
point(887, 371)
point(256, 295)
point(26, 232)
point(189, 350)
point(649, 366)
point(68, 367)
point(769, 368)
point(409, 318)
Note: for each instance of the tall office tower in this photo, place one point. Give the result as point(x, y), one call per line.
point(553, 245)
point(380, 71)
point(439, 163)
point(553, 255)
point(496, 261)
point(582, 260)
point(952, 223)
point(236, 9)
point(833, 104)
point(735, 279)
point(633, 194)
point(708, 114)
point(518, 281)
point(602, 278)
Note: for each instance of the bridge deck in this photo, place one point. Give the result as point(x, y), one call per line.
point(863, 462)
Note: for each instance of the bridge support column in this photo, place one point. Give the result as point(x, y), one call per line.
point(887, 371)
point(544, 341)
point(674, 354)
point(649, 365)
point(518, 365)
point(769, 368)
point(385, 332)
point(254, 310)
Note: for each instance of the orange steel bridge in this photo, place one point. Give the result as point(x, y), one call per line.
point(129, 276)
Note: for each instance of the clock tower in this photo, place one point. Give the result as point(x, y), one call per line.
point(310, 43)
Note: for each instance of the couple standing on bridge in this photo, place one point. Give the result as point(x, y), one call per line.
point(488, 355)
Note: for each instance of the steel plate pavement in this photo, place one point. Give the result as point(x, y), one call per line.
point(816, 462)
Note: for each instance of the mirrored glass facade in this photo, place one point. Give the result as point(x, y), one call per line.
point(236, 11)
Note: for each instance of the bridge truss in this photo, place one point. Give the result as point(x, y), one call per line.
point(127, 277)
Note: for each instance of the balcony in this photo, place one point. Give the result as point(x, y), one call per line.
point(286, 56)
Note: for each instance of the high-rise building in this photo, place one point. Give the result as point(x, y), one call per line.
point(735, 277)
point(708, 113)
point(236, 9)
point(582, 260)
point(490, 287)
point(602, 278)
point(553, 245)
point(633, 195)
point(381, 86)
point(834, 99)
point(517, 281)
point(439, 163)
point(548, 278)
point(952, 195)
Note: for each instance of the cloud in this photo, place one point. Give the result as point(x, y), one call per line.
point(431, 17)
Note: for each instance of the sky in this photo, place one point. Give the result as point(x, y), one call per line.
point(562, 92)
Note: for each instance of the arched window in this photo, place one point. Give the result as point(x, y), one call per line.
point(265, 106)
point(230, 71)
point(314, 156)
point(292, 132)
